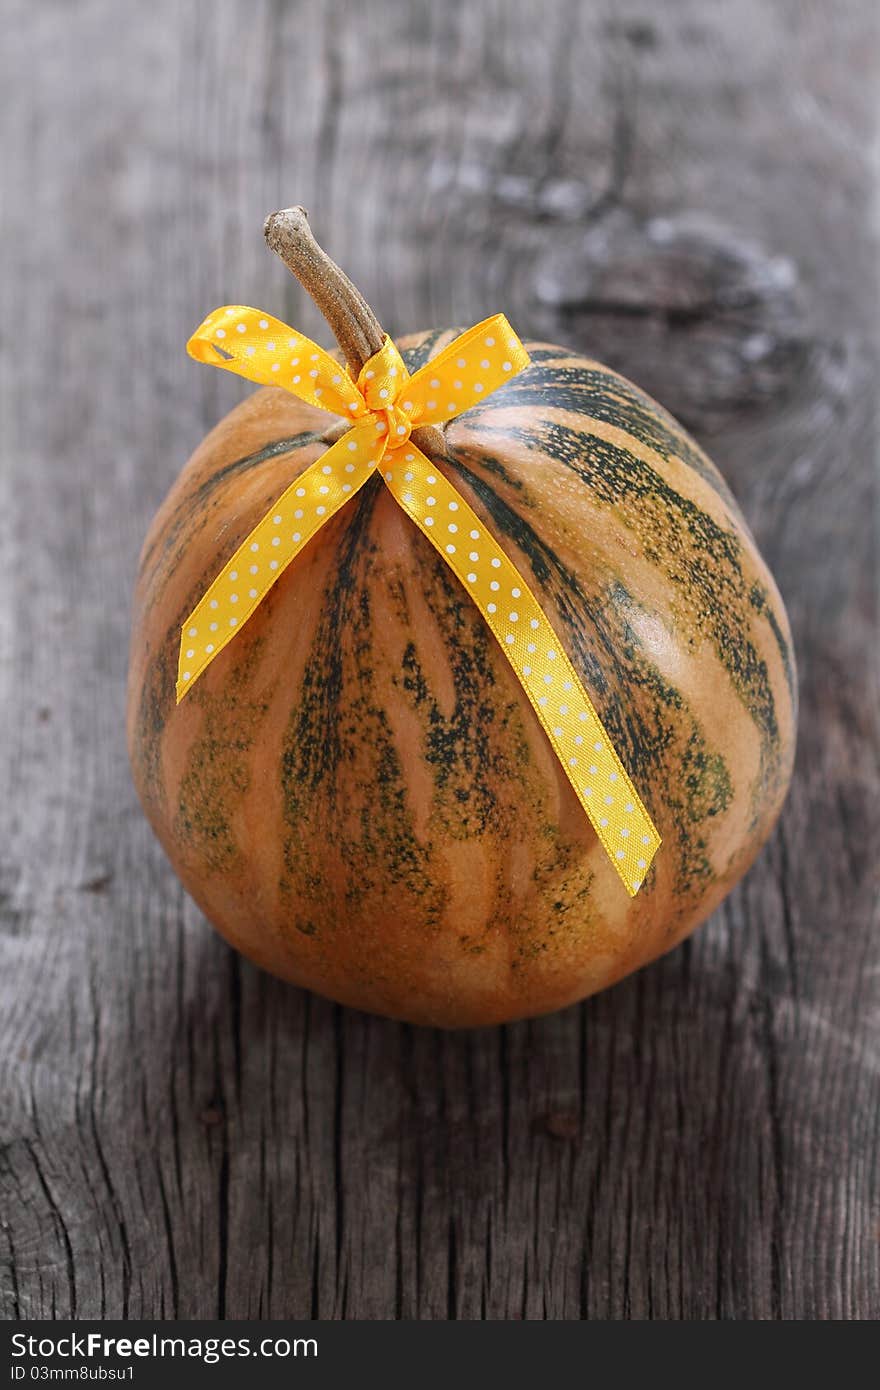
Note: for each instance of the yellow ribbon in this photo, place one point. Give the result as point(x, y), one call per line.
point(384, 406)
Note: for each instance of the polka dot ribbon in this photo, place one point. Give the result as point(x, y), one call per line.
point(384, 406)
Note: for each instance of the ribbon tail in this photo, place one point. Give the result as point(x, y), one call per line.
point(258, 563)
point(494, 584)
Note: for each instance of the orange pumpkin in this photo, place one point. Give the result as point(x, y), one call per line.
point(357, 792)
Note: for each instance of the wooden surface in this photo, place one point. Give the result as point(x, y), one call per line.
point(689, 191)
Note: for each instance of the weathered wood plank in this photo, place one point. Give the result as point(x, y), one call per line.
point(689, 193)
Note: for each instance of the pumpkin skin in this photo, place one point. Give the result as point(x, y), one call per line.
point(357, 793)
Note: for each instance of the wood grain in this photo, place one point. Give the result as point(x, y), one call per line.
point(687, 191)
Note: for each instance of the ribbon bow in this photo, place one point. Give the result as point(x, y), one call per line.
point(384, 406)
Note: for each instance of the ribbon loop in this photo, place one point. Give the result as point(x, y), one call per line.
point(256, 346)
point(466, 371)
point(384, 406)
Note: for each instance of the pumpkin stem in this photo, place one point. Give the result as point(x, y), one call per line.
point(355, 326)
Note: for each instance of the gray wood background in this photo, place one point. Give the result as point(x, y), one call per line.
point(689, 191)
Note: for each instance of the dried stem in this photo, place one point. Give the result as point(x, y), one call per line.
point(355, 326)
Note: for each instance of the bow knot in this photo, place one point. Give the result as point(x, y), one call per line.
point(381, 383)
point(398, 427)
point(381, 378)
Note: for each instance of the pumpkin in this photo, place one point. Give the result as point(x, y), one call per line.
point(357, 792)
